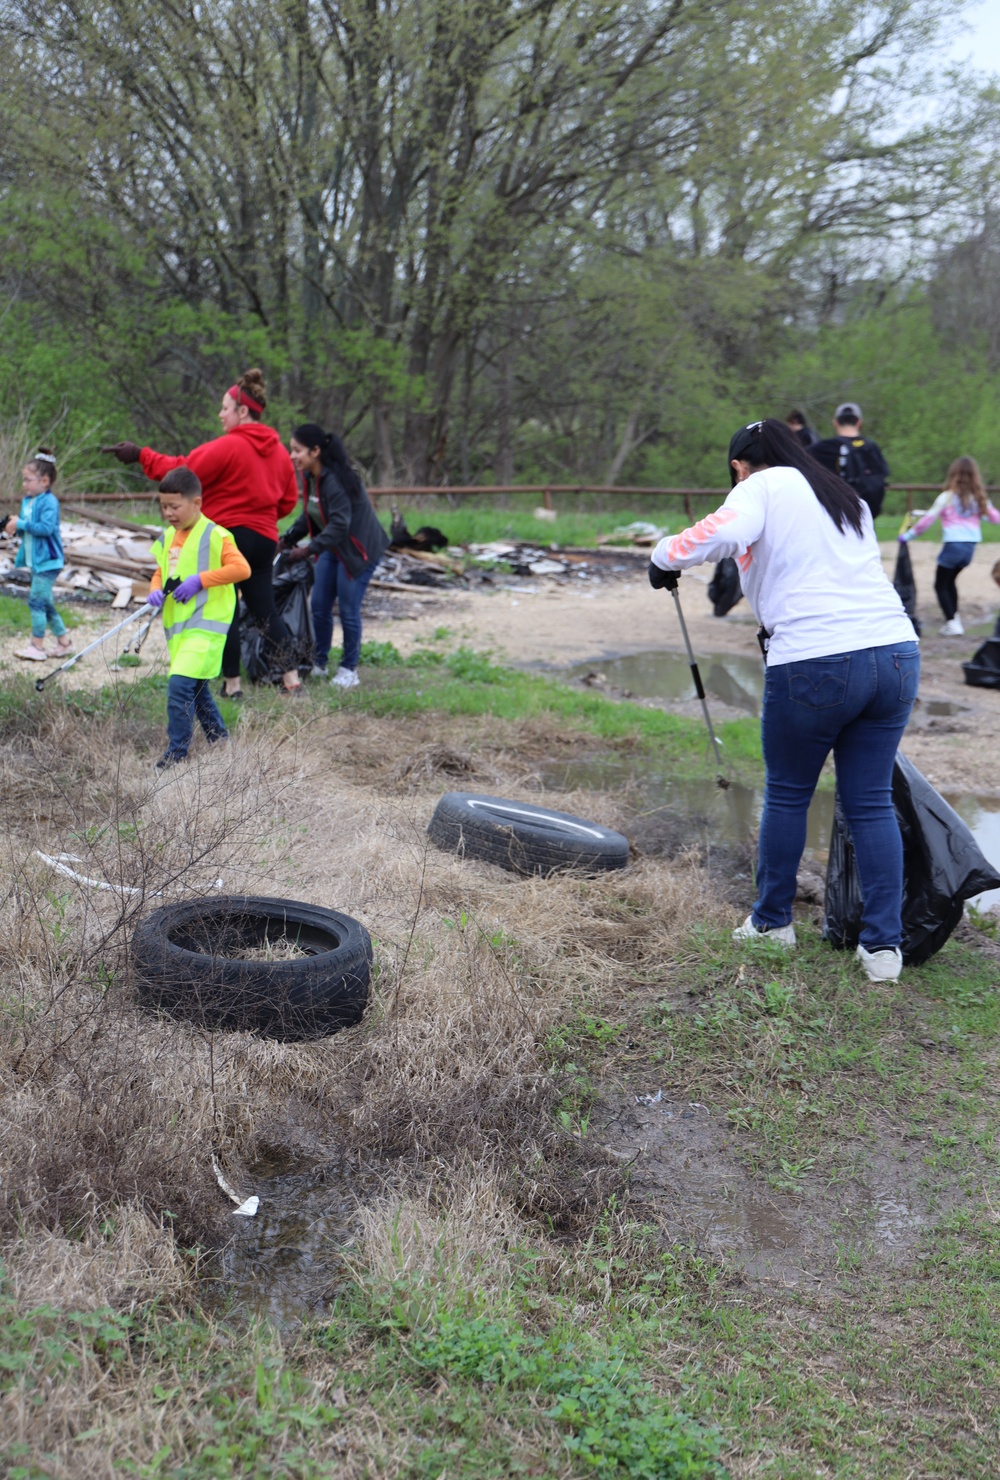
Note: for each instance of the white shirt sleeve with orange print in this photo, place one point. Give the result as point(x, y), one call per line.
point(728, 532)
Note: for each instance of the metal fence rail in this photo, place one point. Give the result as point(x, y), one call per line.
point(548, 492)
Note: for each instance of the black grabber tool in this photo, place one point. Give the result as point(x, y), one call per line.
point(668, 580)
point(720, 780)
point(143, 611)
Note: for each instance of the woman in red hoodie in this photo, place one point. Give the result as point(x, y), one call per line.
point(248, 484)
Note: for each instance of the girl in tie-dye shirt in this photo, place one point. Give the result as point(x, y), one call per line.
point(961, 507)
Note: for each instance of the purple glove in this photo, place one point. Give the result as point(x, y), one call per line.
point(903, 539)
point(188, 590)
point(155, 599)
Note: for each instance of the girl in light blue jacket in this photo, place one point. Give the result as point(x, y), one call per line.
point(42, 553)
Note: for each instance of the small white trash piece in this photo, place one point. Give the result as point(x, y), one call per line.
point(248, 1206)
point(60, 862)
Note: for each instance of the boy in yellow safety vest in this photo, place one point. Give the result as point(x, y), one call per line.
point(194, 583)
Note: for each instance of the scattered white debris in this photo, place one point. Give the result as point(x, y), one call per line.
point(99, 558)
point(649, 1099)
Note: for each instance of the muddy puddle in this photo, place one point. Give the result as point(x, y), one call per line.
point(683, 1164)
point(711, 816)
point(735, 680)
point(733, 816)
point(287, 1262)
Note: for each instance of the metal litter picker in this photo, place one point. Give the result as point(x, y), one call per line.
point(670, 582)
point(148, 612)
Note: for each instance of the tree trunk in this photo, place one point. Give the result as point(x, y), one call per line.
point(385, 462)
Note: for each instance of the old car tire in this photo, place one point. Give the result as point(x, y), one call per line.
point(186, 961)
point(522, 837)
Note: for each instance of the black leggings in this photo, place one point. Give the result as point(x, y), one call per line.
point(258, 593)
point(946, 589)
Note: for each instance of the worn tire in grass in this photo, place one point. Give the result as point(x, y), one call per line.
point(522, 837)
point(186, 961)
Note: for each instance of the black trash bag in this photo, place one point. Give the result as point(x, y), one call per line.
point(905, 586)
point(724, 587)
point(942, 868)
point(983, 671)
point(292, 585)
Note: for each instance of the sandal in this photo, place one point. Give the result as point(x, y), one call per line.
point(33, 654)
point(233, 698)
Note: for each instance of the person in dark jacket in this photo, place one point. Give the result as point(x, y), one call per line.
point(344, 537)
point(800, 429)
point(856, 459)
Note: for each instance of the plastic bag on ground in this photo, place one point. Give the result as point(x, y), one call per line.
point(724, 587)
point(905, 586)
point(942, 868)
point(983, 669)
point(292, 586)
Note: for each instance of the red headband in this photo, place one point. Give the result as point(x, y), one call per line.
point(243, 399)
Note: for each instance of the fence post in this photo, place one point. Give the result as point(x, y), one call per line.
point(689, 511)
point(547, 497)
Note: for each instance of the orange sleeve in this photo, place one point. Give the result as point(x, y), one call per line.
point(231, 572)
point(156, 579)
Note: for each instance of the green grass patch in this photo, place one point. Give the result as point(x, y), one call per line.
point(804, 1055)
point(15, 617)
point(460, 683)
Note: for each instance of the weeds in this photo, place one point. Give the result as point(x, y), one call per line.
point(502, 1311)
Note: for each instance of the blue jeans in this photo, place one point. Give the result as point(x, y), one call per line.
point(857, 705)
point(41, 606)
point(186, 699)
point(332, 583)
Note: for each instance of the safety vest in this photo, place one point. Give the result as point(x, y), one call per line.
point(196, 630)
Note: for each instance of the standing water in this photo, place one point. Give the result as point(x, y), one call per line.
point(734, 815)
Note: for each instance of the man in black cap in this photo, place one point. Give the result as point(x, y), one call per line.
point(857, 459)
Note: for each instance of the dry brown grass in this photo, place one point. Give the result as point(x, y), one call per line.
point(103, 1107)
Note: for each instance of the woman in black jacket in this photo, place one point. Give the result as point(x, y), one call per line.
point(345, 539)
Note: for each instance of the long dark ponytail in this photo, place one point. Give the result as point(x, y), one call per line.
point(770, 444)
point(332, 454)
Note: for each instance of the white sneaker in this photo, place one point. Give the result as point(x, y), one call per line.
point(346, 678)
point(319, 670)
point(881, 966)
point(953, 628)
point(782, 935)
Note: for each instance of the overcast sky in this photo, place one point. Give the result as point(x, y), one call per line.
point(981, 43)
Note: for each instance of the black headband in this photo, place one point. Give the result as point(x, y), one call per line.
point(744, 441)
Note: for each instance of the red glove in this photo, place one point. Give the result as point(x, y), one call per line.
point(125, 452)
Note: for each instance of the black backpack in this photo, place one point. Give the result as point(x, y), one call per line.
point(862, 465)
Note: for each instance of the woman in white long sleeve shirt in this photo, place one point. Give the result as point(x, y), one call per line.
point(842, 670)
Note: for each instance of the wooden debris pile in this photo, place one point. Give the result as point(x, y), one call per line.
point(104, 554)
